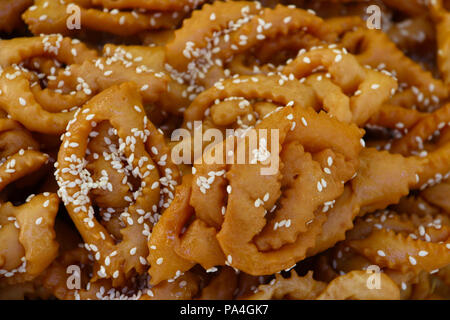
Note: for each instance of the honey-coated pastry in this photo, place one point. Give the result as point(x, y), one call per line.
point(225, 149)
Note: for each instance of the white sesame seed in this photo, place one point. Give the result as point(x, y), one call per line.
point(330, 161)
point(404, 286)
point(319, 186)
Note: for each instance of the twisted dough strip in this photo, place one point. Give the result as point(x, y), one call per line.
point(292, 43)
point(221, 287)
point(253, 257)
point(437, 166)
point(17, 99)
point(27, 236)
point(28, 243)
point(295, 288)
point(66, 50)
point(13, 138)
point(101, 159)
point(184, 287)
point(416, 205)
point(224, 284)
point(342, 259)
point(165, 235)
point(368, 88)
point(272, 88)
point(337, 261)
point(350, 286)
point(19, 165)
point(429, 227)
point(373, 48)
point(422, 131)
point(24, 291)
point(410, 242)
point(104, 161)
point(156, 5)
point(59, 98)
point(441, 18)
point(438, 195)
point(412, 35)
point(444, 274)
point(270, 55)
point(48, 17)
point(42, 64)
point(243, 19)
point(438, 154)
point(402, 253)
point(143, 147)
point(49, 106)
point(382, 179)
point(396, 117)
point(55, 277)
point(429, 287)
point(198, 29)
point(198, 242)
point(10, 11)
point(207, 49)
point(101, 73)
point(353, 285)
point(172, 98)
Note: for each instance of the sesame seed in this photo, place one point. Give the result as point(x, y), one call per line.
point(404, 286)
point(363, 143)
point(423, 253)
point(381, 253)
point(330, 161)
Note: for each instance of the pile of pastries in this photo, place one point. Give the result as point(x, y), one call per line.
point(331, 179)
